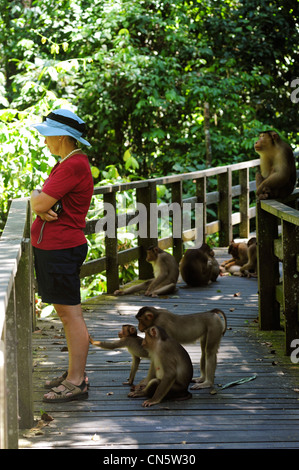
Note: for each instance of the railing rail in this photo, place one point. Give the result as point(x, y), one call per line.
point(279, 288)
point(16, 322)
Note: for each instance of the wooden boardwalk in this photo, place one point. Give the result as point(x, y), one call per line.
point(260, 414)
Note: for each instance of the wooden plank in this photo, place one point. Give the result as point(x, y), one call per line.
point(244, 203)
point(225, 207)
point(281, 211)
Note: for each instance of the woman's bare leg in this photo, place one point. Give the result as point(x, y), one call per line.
point(77, 339)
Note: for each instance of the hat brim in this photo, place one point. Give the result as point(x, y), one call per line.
point(48, 131)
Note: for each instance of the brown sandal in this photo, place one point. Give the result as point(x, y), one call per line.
point(58, 380)
point(70, 392)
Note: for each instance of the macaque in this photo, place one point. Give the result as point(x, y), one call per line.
point(278, 171)
point(250, 268)
point(206, 326)
point(130, 340)
point(166, 274)
point(171, 369)
point(199, 266)
point(239, 252)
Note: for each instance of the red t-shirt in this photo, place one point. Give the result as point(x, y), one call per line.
point(71, 182)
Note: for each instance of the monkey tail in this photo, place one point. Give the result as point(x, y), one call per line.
point(220, 312)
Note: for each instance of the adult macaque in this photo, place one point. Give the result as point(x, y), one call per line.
point(250, 268)
point(199, 266)
point(171, 370)
point(278, 171)
point(239, 252)
point(206, 326)
point(166, 274)
point(130, 340)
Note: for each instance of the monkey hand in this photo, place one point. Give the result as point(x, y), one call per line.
point(263, 196)
point(90, 339)
point(136, 394)
point(95, 343)
point(118, 292)
point(149, 293)
point(150, 402)
point(128, 382)
point(138, 387)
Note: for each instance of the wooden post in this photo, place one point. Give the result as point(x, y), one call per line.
point(11, 373)
point(225, 207)
point(3, 414)
point(290, 244)
point(201, 194)
point(268, 269)
point(24, 336)
point(148, 197)
point(244, 203)
point(178, 245)
point(111, 249)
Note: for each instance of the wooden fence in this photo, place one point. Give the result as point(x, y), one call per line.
point(279, 288)
point(146, 195)
point(16, 322)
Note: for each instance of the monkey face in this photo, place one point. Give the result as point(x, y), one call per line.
point(263, 141)
point(266, 140)
point(152, 254)
point(145, 321)
point(142, 326)
point(127, 330)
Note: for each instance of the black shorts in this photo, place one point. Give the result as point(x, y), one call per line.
point(58, 274)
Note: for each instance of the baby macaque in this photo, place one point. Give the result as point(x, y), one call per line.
point(278, 170)
point(205, 326)
point(239, 252)
point(166, 272)
point(130, 340)
point(199, 266)
point(171, 369)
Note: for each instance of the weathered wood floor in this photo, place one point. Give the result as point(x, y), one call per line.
point(260, 414)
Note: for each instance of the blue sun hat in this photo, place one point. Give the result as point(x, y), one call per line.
point(62, 122)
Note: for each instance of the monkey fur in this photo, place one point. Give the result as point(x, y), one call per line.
point(205, 326)
point(166, 273)
point(199, 266)
point(171, 372)
point(277, 177)
point(128, 339)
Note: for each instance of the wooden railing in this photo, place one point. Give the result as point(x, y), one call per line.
point(16, 323)
point(279, 283)
point(146, 194)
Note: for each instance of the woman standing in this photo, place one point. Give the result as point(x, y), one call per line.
point(60, 246)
